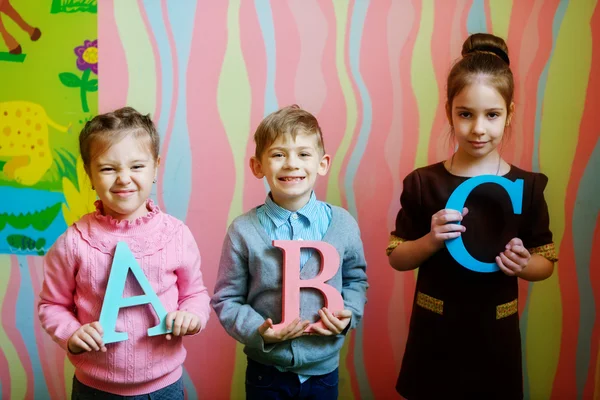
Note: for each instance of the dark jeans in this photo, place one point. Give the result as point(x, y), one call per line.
point(264, 382)
point(82, 392)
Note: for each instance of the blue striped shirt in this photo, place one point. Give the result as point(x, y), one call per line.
point(308, 223)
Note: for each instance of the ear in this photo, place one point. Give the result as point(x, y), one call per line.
point(449, 113)
point(256, 167)
point(157, 164)
point(511, 111)
point(324, 165)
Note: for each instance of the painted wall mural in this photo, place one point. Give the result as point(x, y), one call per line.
point(43, 188)
point(373, 72)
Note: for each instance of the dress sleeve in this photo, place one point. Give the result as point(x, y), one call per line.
point(410, 214)
point(535, 233)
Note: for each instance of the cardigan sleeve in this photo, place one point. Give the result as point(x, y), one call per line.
point(56, 309)
point(193, 295)
point(354, 276)
point(238, 318)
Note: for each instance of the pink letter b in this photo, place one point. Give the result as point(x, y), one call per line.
point(330, 263)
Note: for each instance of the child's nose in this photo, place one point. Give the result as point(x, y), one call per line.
point(479, 128)
point(292, 161)
point(123, 178)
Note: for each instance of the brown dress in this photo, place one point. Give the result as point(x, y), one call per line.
point(464, 340)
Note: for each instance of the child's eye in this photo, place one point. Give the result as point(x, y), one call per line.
point(464, 114)
point(138, 167)
point(106, 169)
point(277, 155)
point(305, 154)
point(493, 115)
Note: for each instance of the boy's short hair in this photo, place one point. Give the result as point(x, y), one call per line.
point(288, 120)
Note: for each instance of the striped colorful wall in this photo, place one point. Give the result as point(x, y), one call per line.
point(373, 72)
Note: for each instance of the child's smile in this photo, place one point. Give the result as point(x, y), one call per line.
point(123, 177)
point(291, 168)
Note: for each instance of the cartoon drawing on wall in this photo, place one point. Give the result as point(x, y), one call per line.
point(15, 51)
point(72, 6)
point(79, 195)
point(25, 146)
point(35, 165)
point(26, 158)
point(87, 61)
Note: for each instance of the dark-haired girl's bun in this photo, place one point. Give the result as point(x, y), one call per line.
point(486, 43)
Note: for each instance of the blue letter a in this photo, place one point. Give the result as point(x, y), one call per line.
point(113, 299)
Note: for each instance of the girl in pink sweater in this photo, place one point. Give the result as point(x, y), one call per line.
point(120, 152)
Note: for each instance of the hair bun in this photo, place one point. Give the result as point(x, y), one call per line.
point(486, 43)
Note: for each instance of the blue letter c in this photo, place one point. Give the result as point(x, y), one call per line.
point(457, 200)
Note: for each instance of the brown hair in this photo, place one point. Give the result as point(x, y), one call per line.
point(290, 120)
point(483, 56)
point(105, 130)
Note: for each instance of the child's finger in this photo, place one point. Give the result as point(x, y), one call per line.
point(520, 250)
point(343, 314)
point(185, 325)
point(177, 324)
point(298, 331)
point(292, 329)
point(454, 215)
point(168, 336)
point(194, 325)
point(78, 342)
point(339, 325)
point(511, 260)
point(88, 341)
point(265, 326)
point(452, 228)
point(96, 337)
point(169, 320)
point(96, 325)
point(504, 269)
point(322, 331)
point(327, 322)
point(449, 235)
point(515, 242)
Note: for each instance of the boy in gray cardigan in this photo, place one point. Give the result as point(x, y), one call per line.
point(289, 363)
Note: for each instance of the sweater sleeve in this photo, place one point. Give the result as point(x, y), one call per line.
point(238, 318)
point(354, 276)
point(56, 308)
point(193, 295)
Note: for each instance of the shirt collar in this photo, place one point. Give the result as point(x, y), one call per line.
point(280, 215)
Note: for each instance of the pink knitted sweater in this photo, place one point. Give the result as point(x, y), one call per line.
point(76, 271)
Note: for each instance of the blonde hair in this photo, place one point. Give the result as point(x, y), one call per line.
point(290, 120)
point(105, 130)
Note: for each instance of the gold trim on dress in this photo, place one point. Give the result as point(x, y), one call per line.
point(547, 251)
point(430, 303)
point(507, 309)
point(394, 242)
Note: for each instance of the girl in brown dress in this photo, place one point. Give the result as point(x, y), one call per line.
point(464, 340)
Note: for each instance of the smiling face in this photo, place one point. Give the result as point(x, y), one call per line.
point(479, 115)
point(291, 168)
point(123, 176)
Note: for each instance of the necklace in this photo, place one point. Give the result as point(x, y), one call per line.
point(452, 162)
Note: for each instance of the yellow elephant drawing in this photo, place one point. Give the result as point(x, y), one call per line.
point(24, 141)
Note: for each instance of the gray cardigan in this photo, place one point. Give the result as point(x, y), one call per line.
point(248, 290)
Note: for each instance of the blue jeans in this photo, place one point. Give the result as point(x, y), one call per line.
point(83, 392)
point(264, 382)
